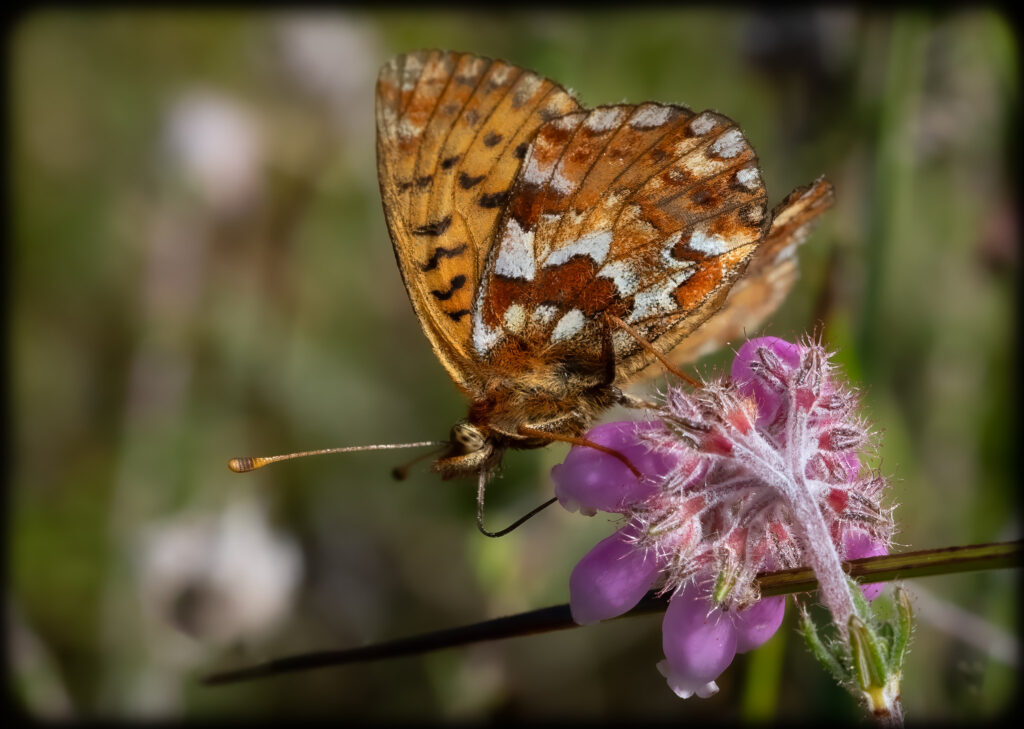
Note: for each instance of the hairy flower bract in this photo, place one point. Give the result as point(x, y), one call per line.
point(759, 471)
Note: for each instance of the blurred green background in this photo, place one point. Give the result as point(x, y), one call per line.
point(200, 269)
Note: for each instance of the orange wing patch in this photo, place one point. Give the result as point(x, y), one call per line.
point(450, 135)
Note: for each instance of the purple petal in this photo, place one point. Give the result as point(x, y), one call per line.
point(590, 480)
point(757, 623)
point(610, 579)
point(859, 544)
point(699, 641)
point(768, 399)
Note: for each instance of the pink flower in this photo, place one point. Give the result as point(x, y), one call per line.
point(742, 476)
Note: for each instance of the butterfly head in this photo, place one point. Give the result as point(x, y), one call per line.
point(470, 451)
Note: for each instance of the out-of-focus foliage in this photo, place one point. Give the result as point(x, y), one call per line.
point(200, 269)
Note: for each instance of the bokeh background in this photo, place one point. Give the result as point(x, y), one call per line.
point(200, 269)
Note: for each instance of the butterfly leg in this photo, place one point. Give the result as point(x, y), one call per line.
point(612, 319)
point(632, 401)
point(550, 429)
point(608, 355)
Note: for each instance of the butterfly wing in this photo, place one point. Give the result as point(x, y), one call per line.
point(647, 212)
point(768, 279)
point(452, 130)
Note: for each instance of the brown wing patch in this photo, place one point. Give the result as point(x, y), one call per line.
point(449, 133)
point(648, 212)
point(769, 277)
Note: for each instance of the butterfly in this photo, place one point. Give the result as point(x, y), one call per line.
point(525, 226)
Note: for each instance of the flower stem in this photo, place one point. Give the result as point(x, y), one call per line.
point(821, 553)
point(924, 563)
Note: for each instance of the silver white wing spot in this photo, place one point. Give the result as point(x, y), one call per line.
point(729, 144)
point(515, 318)
point(658, 299)
point(568, 325)
point(601, 120)
point(484, 338)
point(407, 128)
point(543, 315)
point(595, 245)
point(749, 177)
point(650, 116)
point(515, 253)
point(703, 123)
point(411, 72)
point(533, 173)
point(559, 182)
point(709, 245)
point(624, 276)
point(500, 75)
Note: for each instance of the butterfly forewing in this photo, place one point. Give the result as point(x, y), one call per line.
point(646, 212)
point(451, 133)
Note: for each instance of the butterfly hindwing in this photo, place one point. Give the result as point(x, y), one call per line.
point(451, 133)
point(647, 212)
point(770, 275)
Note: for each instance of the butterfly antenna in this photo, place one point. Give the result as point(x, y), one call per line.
point(480, 488)
point(251, 463)
point(650, 348)
point(400, 473)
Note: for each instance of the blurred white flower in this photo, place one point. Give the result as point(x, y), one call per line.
point(332, 57)
point(220, 578)
point(218, 148)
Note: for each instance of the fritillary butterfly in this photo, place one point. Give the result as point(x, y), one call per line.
point(523, 222)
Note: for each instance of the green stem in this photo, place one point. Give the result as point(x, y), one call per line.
point(925, 563)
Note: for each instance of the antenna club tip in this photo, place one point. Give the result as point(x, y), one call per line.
point(241, 465)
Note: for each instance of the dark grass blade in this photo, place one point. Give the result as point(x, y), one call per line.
point(869, 569)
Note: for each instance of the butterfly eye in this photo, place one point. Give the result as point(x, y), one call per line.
point(468, 436)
